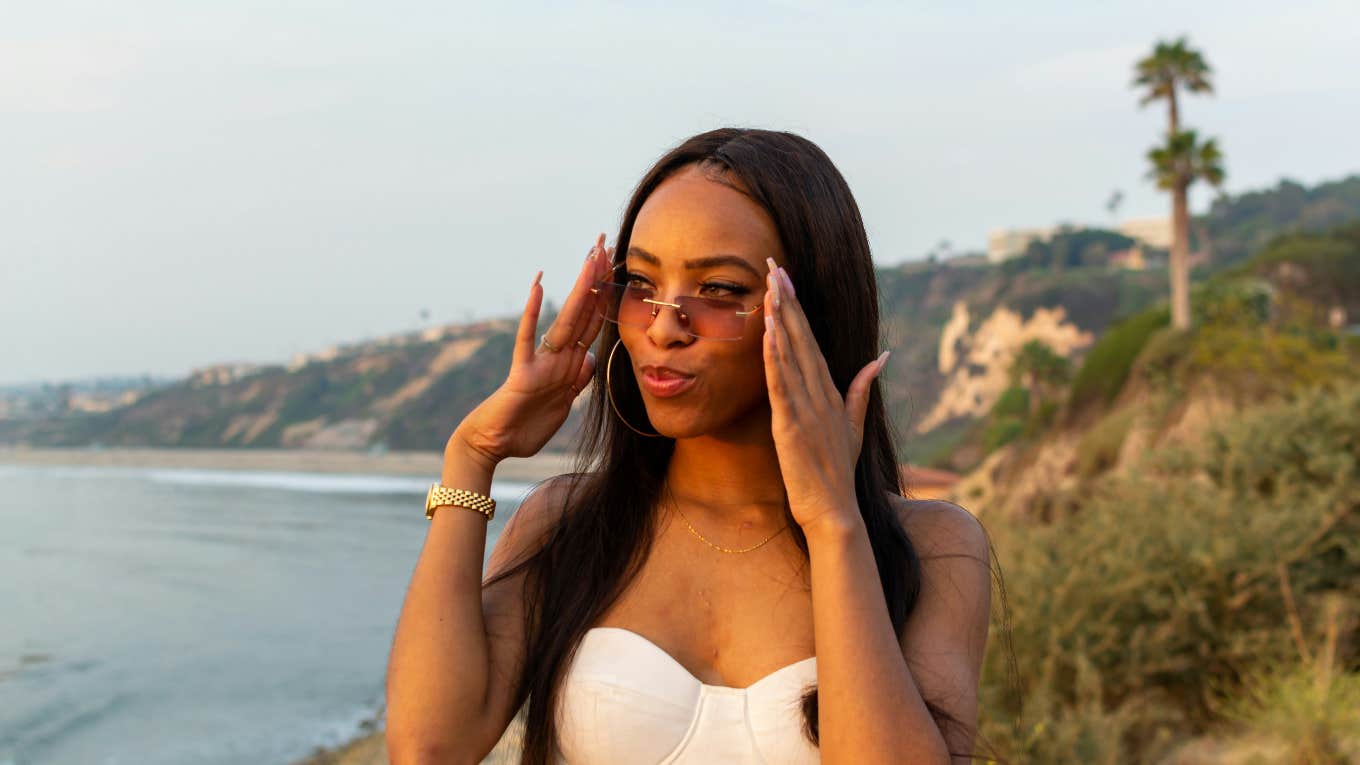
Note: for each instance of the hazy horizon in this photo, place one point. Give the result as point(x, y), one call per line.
point(243, 183)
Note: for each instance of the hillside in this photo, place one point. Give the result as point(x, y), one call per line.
point(1178, 535)
point(954, 326)
point(1283, 321)
point(953, 331)
point(1238, 226)
point(951, 327)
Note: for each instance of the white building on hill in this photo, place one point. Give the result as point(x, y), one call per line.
point(1006, 243)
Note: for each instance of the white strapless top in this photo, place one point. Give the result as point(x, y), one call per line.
point(625, 700)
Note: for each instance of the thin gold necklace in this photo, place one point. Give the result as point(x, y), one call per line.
point(720, 548)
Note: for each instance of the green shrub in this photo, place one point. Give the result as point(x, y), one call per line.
point(1307, 705)
point(1166, 584)
point(1107, 364)
point(1243, 301)
point(1310, 708)
point(1001, 432)
point(1043, 418)
point(1329, 262)
point(1163, 362)
point(1054, 727)
point(1256, 362)
point(1248, 363)
point(1013, 402)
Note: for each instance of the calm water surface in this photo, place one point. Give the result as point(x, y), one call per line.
point(192, 616)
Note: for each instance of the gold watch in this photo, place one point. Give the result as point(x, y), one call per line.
point(443, 495)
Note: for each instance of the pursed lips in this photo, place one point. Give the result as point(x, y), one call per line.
point(664, 373)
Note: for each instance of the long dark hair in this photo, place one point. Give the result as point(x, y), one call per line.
point(607, 524)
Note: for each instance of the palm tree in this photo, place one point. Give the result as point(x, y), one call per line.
point(1170, 66)
point(1177, 164)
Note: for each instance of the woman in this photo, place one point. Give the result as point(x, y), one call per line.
point(733, 574)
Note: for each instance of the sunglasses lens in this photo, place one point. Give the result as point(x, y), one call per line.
point(623, 304)
point(707, 318)
point(713, 319)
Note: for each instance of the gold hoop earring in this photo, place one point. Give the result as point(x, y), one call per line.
point(609, 388)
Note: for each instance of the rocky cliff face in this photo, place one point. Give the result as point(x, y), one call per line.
point(976, 362)
point(954, 329)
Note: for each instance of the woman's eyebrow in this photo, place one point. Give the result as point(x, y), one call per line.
point(708, 262)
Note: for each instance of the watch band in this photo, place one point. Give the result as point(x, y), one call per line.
point(443, 495)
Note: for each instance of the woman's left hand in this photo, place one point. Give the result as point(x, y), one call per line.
point(817, 433)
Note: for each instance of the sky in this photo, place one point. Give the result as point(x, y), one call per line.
point(187, 184)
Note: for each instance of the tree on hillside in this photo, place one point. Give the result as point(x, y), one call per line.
point(1041, 371)
point(1174, 66)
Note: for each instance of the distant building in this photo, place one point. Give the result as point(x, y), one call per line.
point(301, 360)
point(1154, 232)
point(1006, 243)
point(221, 374)
point(1131, 259)
point(434, 333)
point(90, 403)
point(966, 259)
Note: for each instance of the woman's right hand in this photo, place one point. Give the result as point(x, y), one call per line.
point(533, 402)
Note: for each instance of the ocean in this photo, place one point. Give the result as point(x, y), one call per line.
point(159, 616)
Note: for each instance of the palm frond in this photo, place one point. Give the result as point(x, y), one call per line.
point(1183, 159)
point(1171, 65)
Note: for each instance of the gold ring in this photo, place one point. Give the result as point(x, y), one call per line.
point(583, 345)
point(544, 343)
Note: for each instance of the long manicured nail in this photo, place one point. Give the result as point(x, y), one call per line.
point(882, 359)
point(537, 277)
point(773, 279)
point(787, 281)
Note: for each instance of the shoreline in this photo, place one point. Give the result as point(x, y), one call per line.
point(368, 747)
point(536, 468)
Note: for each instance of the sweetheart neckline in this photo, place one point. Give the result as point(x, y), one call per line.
point(692, 676)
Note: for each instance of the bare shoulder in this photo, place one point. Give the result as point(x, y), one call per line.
point(944, 639)
point(937, 527)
